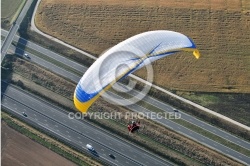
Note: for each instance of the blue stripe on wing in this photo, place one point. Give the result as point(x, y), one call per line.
point(154, 49)
point(193, 45)
point(83, 96)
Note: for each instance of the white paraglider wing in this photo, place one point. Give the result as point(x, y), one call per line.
point(125, 58)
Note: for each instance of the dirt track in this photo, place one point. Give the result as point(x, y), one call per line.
point(17, 149)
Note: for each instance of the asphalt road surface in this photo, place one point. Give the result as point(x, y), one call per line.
point(161, 105)
point(168, 123)
point(13, 29)
point(76, 132)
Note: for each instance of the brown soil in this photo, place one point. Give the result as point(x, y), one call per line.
point(220, 28)
point(18, 149)
point(153, 131)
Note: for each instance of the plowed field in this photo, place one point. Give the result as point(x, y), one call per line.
point(220, 28)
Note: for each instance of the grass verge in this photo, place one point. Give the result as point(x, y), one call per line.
point(207, 117)
point(222, 103)
point(10, 11)
point(47, 58)
point(47, 141)
point(203, 75)
point(18, 11)
point(173, 146)
point(2, 38)
point(196, 128)
point(213, 137)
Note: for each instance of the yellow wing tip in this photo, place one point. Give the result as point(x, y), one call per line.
point(197, 54)
point(82, 107)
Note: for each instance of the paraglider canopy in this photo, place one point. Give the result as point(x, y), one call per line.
point(125, 58)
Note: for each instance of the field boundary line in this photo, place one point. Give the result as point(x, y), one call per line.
point(34, 28)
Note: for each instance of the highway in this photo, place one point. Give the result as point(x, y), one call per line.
point(156, 103)
point(35, 29)
point(193, 135)
point(47, 52)
point(184, 116)
point(77, 133)
point(13, 29)
point(166, 122)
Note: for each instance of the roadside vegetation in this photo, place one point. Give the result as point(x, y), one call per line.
point(195, 128)
point(214, 120)
point(233, 105)
point(46, 58)
point(38, 77)
point(10, 10)
point(87, 61)
point(47, 141)
point(172, 152)
point(181, 74)
point(215, 26)
point(156, 138)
